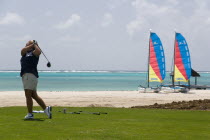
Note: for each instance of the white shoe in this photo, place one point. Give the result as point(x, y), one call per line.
point(29, 116)
point(48, 112)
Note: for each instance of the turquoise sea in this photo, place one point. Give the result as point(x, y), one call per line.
point(86, 80)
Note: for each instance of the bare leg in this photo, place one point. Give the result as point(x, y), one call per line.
point(38, 100)
point(29, 101)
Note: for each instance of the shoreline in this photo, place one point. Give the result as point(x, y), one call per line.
point(117, 99)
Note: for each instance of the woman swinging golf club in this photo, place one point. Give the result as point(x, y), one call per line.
point(29, 61)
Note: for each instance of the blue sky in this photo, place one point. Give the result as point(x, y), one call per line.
point(102, 34)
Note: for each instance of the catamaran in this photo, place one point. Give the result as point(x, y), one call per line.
point(181, 72)
point(156, 63)
point(181, 62)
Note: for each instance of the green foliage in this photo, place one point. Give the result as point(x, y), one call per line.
point(119, 123)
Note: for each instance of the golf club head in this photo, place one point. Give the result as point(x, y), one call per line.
point(48, 64)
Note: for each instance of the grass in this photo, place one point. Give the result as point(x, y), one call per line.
point(119, 123)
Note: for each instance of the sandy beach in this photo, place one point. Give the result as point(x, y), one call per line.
point(101, 98)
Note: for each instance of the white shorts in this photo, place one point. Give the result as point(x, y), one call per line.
point(30, 81)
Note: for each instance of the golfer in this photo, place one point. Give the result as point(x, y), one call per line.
point(29, 61)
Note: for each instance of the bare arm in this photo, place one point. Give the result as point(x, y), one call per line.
point(37, 50)
point(27, 48)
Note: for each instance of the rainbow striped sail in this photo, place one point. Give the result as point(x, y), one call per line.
point(182, 63)
point(157, 69)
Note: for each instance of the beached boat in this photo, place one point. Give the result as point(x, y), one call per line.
point(181, 71)
point(181, 63)
point(156, 64)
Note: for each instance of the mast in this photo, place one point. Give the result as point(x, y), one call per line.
point(148, 60)
point(174, 60)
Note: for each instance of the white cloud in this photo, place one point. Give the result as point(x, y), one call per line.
point(73, 20)
point(11, 18)
point(133, 27)
point(189, 18)
point(169, 14)
point(148, 14)
point(107, 20)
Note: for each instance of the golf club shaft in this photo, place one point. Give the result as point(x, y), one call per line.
point(43, 53)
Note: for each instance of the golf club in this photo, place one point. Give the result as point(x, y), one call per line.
point(64, 111)
point(94, 113)
point(48, 63)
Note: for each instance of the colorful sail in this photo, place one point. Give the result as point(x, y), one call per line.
point(157, 70)
point(182, 63)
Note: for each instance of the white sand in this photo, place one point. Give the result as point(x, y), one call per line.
point(101, 98)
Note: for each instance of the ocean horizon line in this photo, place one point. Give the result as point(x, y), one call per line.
point(102, 71)
point(92, 71)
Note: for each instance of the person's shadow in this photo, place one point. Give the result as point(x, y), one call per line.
point(35, 119)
